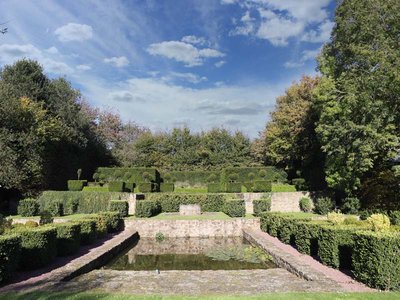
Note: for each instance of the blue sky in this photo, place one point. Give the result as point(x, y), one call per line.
point(200, 63)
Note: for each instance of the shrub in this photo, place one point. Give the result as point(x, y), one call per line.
point(251, 176)
point(305, 204)
point(352, 220)
point(116, 186)
point(101, 226)
point(28, 208)
point(350, 206)
point(261, 206)
point(119, 206)
point(268, 174)
point(45, 218)
point(233, 187)
point(38, 246)
point(147, 208)
point(145, 187)
point(262, 173)
point(394, 217)
point(379, 222)
point(71, 206)
point(54, 208)
point(249, 185)
point(336, 218)
point(167, 177)
point(306, 237)
point(31, 224)
point(365, 213)
point(130, 187)
point(300, 184)
point(323, 205)
point(96, 176)
point(262, 186)
point(68, 238)
point(233, 177)
point(212, 178)
point(113, 221)
point(376, 259)
point(76, 185)
point(10, 250)
point(274, 222)
point(214, 188)
point(234, 208)
point(146, 176)
point(167, 187)
point(88, 232)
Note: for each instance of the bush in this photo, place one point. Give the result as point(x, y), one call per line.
point(261, 206)
point(305, 204)
point(260, 173)
point(300, 184)
point(233, 177)
point(234, 208)
point(306, 237)
point(323, 205)
point(113, 221)
point(54, 208)
point(101, 226)
point(31, 224)
point(28, 208)
point(117, 174)
point(212, 178)
point(45, 218)
point(249, 185)
point(68, 238)
point(379, 222)
point(116, 186)
point(352, 220)
point(336, 218)
point(376, 259)
point(10, 251)
point(214, 188)
point(88, 232)
point(394, 217)
point(145, 187)
point(262, 186)
point(119, 206)
point(233, 187)
point(351, 206)
point(251, 176)
point(147, 208)
point(130, 187)
point(167, 187)
point(38, 246)
point(76, 185)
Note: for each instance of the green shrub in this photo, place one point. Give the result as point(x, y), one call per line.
point(119, 206)
point(68, 238)
point(10, 251)
point(376, 259)
point(351, 206)
point(54, 208)
point(300, 184)
point(214, 188)
point(31, 224)
point(394, 217)
point(113, 221)
point(76, 185)
point(233, 177)
point(167, 187)
point(273, 222)
point(71, 206)
point(336, 218)
point(145, 187)
point(147, 208)
point(251, 176)
point(212, 178)
point(130, 187)
point(365, 213)
point(323, 205)
point(96, 176)
point(249, 185)
point(101, 226)
point(233, 187)
point(234, 208)
point(260, 173)
point(379, 222)
point(28, 208)
point(306, 237)
point(38, 246)
point(116, 186)
point(262, 186)
point(88, 232)
point(352, 220)
point(117, 174)
point(305, 204)
point(45, 218)
point(261, 206)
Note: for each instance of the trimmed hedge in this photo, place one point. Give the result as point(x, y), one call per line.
point(130, 187)
point(262, 186)
point(119, 206)
point(28, 208)
point(233, 187)
point(68, 238)
point(147, 208)
point(10, 251)
point(193, 178)
point(145, 187)
point(88, 233)
point(55, 208)
point(76, 185)
point(38, 246)
point(255, 174)
point(113, 221)
point(234, 208)
point(261, 205)
point(306, 237)
point(127, 174)
point(166, 187)
point(215, 188)
point(116, 186)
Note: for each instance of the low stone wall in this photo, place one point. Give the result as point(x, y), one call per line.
point(287, 201)
point(192, 228)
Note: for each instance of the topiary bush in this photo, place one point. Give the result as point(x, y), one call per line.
point(68, 238)
point(379, 222)
point(88, 233)
point(145, 187)
point(300, 184)
point(116, 186)
point(119, 206)
point(167, 187)
point(28, 208)
point(31, 224)
point(147, 208)
point(323, 205)
point(305, 204)
point(233, 177)
point(261, 205)
point(76, 185)
point(351, 205)
point(234, 208)
point(233, 187)
point(214, 188)
point(212, 178)
point(54, 208)
point(10, 253)
point(130, 186)
point(249, 185)
point(113, 221)
point(262, 186)
point(306, 237)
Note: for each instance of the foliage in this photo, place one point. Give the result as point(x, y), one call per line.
point(214, 188)
point(113, 221)
point(76, 185)
point(88, 233)
point(147, 208)
point(45, 218)
point(300, 184)
point(31, 223)
point(323, 205)
point(262, 186)
point(167, 187)
point(116, 186)
point(351, 205)
point(261, 205)
point(267, 173)
point(119, 206)
point(336, 218)
point(379, 222)
point(305, 204)
point(234, 208)
point(10, 251)
point(146, 187)
point(68, 238)
point(28, 208)
point(160, 237)
point(233, 187)
point(276, 187)
point(394, 217)
point(55, 208)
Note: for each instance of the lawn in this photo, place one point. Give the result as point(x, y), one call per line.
point(191, 190)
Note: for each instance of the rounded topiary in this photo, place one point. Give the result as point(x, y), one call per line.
point(28, 208)
point(146, 176)
point(118, 174)
point(102, 177)
point(379, 222)
point(127, 175)
point(212, 178)
point(31, 224)
point(262, 173)
point(233, 177)
point(323, 205)
point(305, 204)
point(351, 205)
point(96, 176)
point(167, 177)
point(251, 176)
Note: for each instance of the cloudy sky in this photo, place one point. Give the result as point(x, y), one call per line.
point(167, 63)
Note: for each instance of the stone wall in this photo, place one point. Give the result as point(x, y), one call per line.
point(287, 201)
point(192, 228)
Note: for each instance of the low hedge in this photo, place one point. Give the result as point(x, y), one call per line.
point(56, 208)
point(76, 185)
point(262, 186)
point(306, 237)
point(233, 187)
point(234, 208)
point(215, 188)
point(166, 187)
point(38, 246)
point(116, 186)
point(147, 208)
point(113, 220)
point(145, 187)
point(88, 233)
point(28, 208)
point(261, 205)
point(130, 187)
point(68, 238)
point(119, 206)
point(10, 251)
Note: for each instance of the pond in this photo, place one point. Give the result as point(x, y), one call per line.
point(191, 254)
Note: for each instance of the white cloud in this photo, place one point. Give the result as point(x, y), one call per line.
point(183, 52)
point(192, 39)
point(220, 63)
point(321, 35)
point(74, 32)
point(83, 67)
point(52, 50)
point(118, 62)
point(306, 55)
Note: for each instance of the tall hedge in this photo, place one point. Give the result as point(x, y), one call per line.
point(88, 233)
point(116, 186)
point(193, 178)
point(68, 238)
point(127, 174)
point(234, 208)
point(147, 208)
point(119, 206)
point(28, 208)
point(76, 185)
point(255, 173)
point(261, 206)
point(10, 253)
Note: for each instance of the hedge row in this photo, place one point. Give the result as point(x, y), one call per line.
point(126, 174)
point(76, 185)
point(234, 208)
point(373, 257)
point(236, 187)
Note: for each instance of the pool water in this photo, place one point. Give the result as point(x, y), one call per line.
point(191, 254)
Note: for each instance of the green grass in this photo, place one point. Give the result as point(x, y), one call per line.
point(283, 188)
point(300, 215)
point(269, 296)
point(208, 216)
point(95, 189)
point(75, 216)
point(191, 190)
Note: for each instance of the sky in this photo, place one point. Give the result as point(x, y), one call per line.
point(173, 63)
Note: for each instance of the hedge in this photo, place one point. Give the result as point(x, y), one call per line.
point(306, 237)
point(233, 187)
point(127, 174)
point(28, 208)
point(56, 208)
point(113, 221)
point(119, 206)
point(274, 222)
point(166, 187)
point(130, 187)
point(262, 186)
point(38, 246)
point(116, 186)
point(234, 208)
point(261, 205)
point(88, 233)
point(145, 187)
point(147, 208)
point(255, 174)
point(10, 251)
point(376, 259)
point(68, 238)
point(215, 188)
point(193, 178)
point(76, 185)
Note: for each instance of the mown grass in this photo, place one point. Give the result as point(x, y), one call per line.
point(205, 216)
point(191, 190)
point(283, 188)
